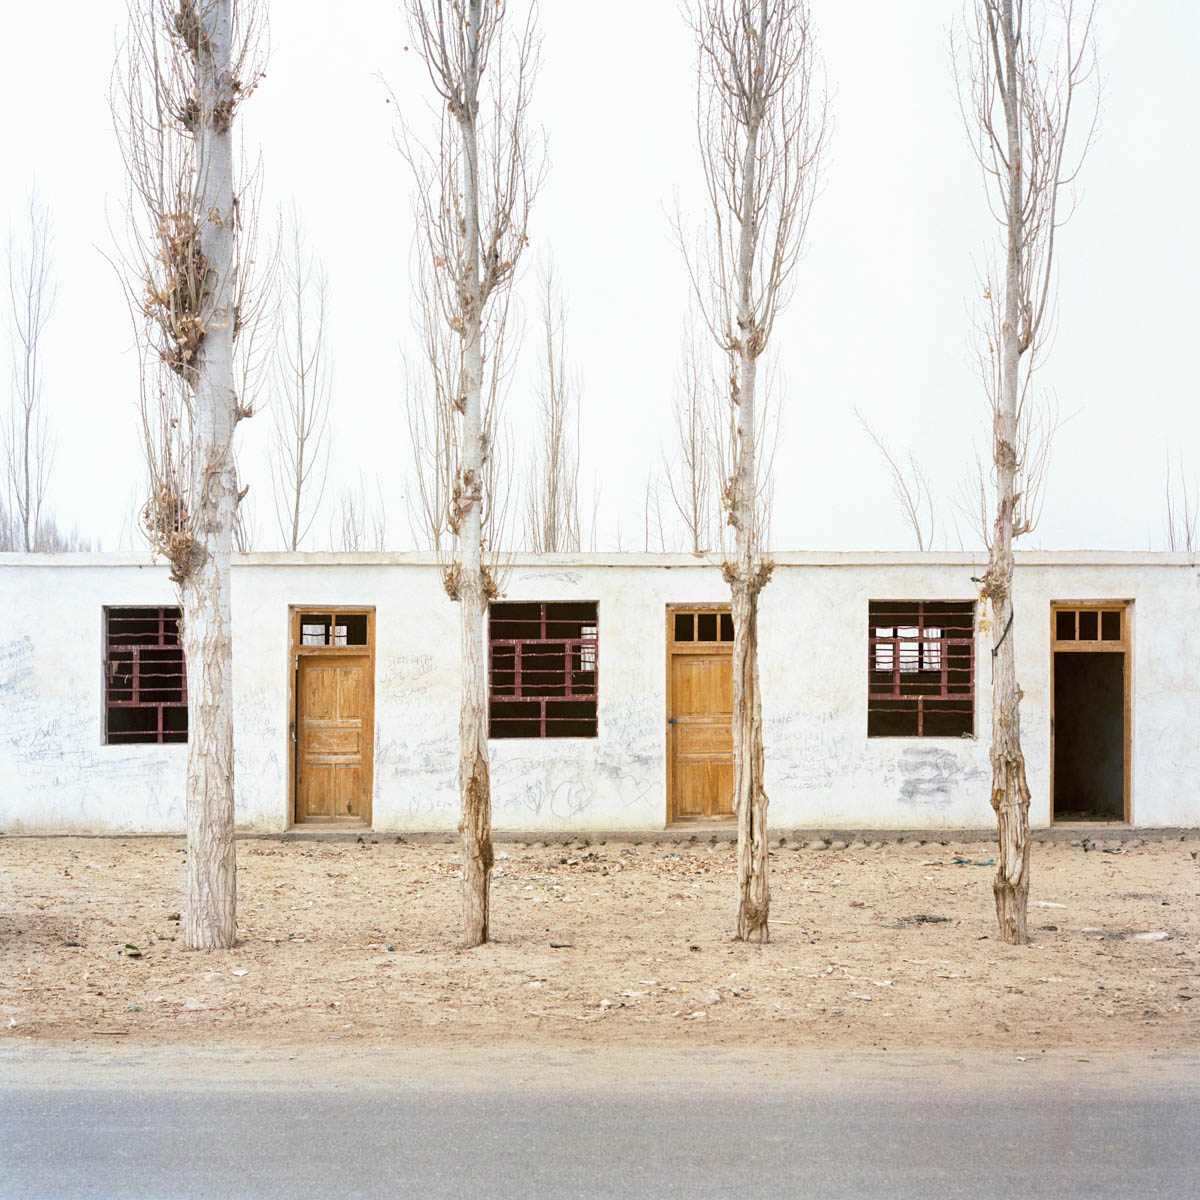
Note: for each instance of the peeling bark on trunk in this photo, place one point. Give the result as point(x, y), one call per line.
point(1010, 794)
point(474, 780)
point(750, 800)
point(749, 797)
point(209, 911)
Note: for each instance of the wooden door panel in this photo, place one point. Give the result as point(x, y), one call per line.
point(701, 738)
point(702, 685)
point(721, 787)
point(691, 788)
point(333, 737)
point(316, 791)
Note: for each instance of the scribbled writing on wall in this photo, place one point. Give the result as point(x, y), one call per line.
point(621, 770)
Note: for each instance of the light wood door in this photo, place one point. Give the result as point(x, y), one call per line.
point(701, 735)
point(334, 701)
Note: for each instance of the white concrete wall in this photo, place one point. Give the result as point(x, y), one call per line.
point(55, 774)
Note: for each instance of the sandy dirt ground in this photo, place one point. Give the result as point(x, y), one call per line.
point(890, 947)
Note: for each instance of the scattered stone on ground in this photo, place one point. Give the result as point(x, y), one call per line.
point(891, 947)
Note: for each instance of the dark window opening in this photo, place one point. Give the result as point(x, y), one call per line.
point(921, 668)
point(543, 667)
point(706, 627)
point(1089, 625)
point(685, 627)
point(145, 679)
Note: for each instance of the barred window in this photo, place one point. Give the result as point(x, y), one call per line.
point(921, 668)
point(145, 679)
point(543, 664)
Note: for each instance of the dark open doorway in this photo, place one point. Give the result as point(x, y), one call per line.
point(1090, 714)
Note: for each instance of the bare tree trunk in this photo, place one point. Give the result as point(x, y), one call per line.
point(1010, 794)
point(209, 914)
point(1017, 102)
point(186, 69)
point(473, 195)
point(760, 146)
point(748, 577)
point(474, 781)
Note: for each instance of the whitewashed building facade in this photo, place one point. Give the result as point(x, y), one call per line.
point(609, 677)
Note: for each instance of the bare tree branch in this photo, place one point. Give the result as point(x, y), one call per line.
point(1181, 511)
point(28, 454)
point(910, 486)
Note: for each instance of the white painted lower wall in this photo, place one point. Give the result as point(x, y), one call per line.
point(822, 769)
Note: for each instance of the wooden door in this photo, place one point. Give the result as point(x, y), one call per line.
point(333, 716)
point(700, 715)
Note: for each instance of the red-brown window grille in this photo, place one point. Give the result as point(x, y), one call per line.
point(145, 680)
point(921, 668)
point(543, 663)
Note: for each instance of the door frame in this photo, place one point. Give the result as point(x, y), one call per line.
point(295, 652)
point(673, 647)
point(1125, 648)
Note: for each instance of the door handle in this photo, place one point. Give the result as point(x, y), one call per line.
point(672, 720)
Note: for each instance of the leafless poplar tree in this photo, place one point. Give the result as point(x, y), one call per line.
point(186, 68)
point(1019, 81)
point(552, 492)
point(473, 188)
point(27, 450)
point(762, 124)
point(692, 474)
point(300, 403)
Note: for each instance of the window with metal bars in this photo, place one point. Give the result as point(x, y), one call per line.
point(543, 660)
point(145, 679)
point(921, 668)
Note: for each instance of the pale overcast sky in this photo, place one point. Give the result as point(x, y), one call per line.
point(880, 317)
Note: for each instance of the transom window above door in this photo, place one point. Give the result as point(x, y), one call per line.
point(1089, 624)
point(333, 629)
point(701, 626)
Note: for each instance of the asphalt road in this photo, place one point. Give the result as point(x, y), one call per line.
point(587, 1124)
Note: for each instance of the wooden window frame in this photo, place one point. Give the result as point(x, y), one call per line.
point(1122, 645)
point(912, 686)
point(589, 653)
point(296, 651)
point(160, 735)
